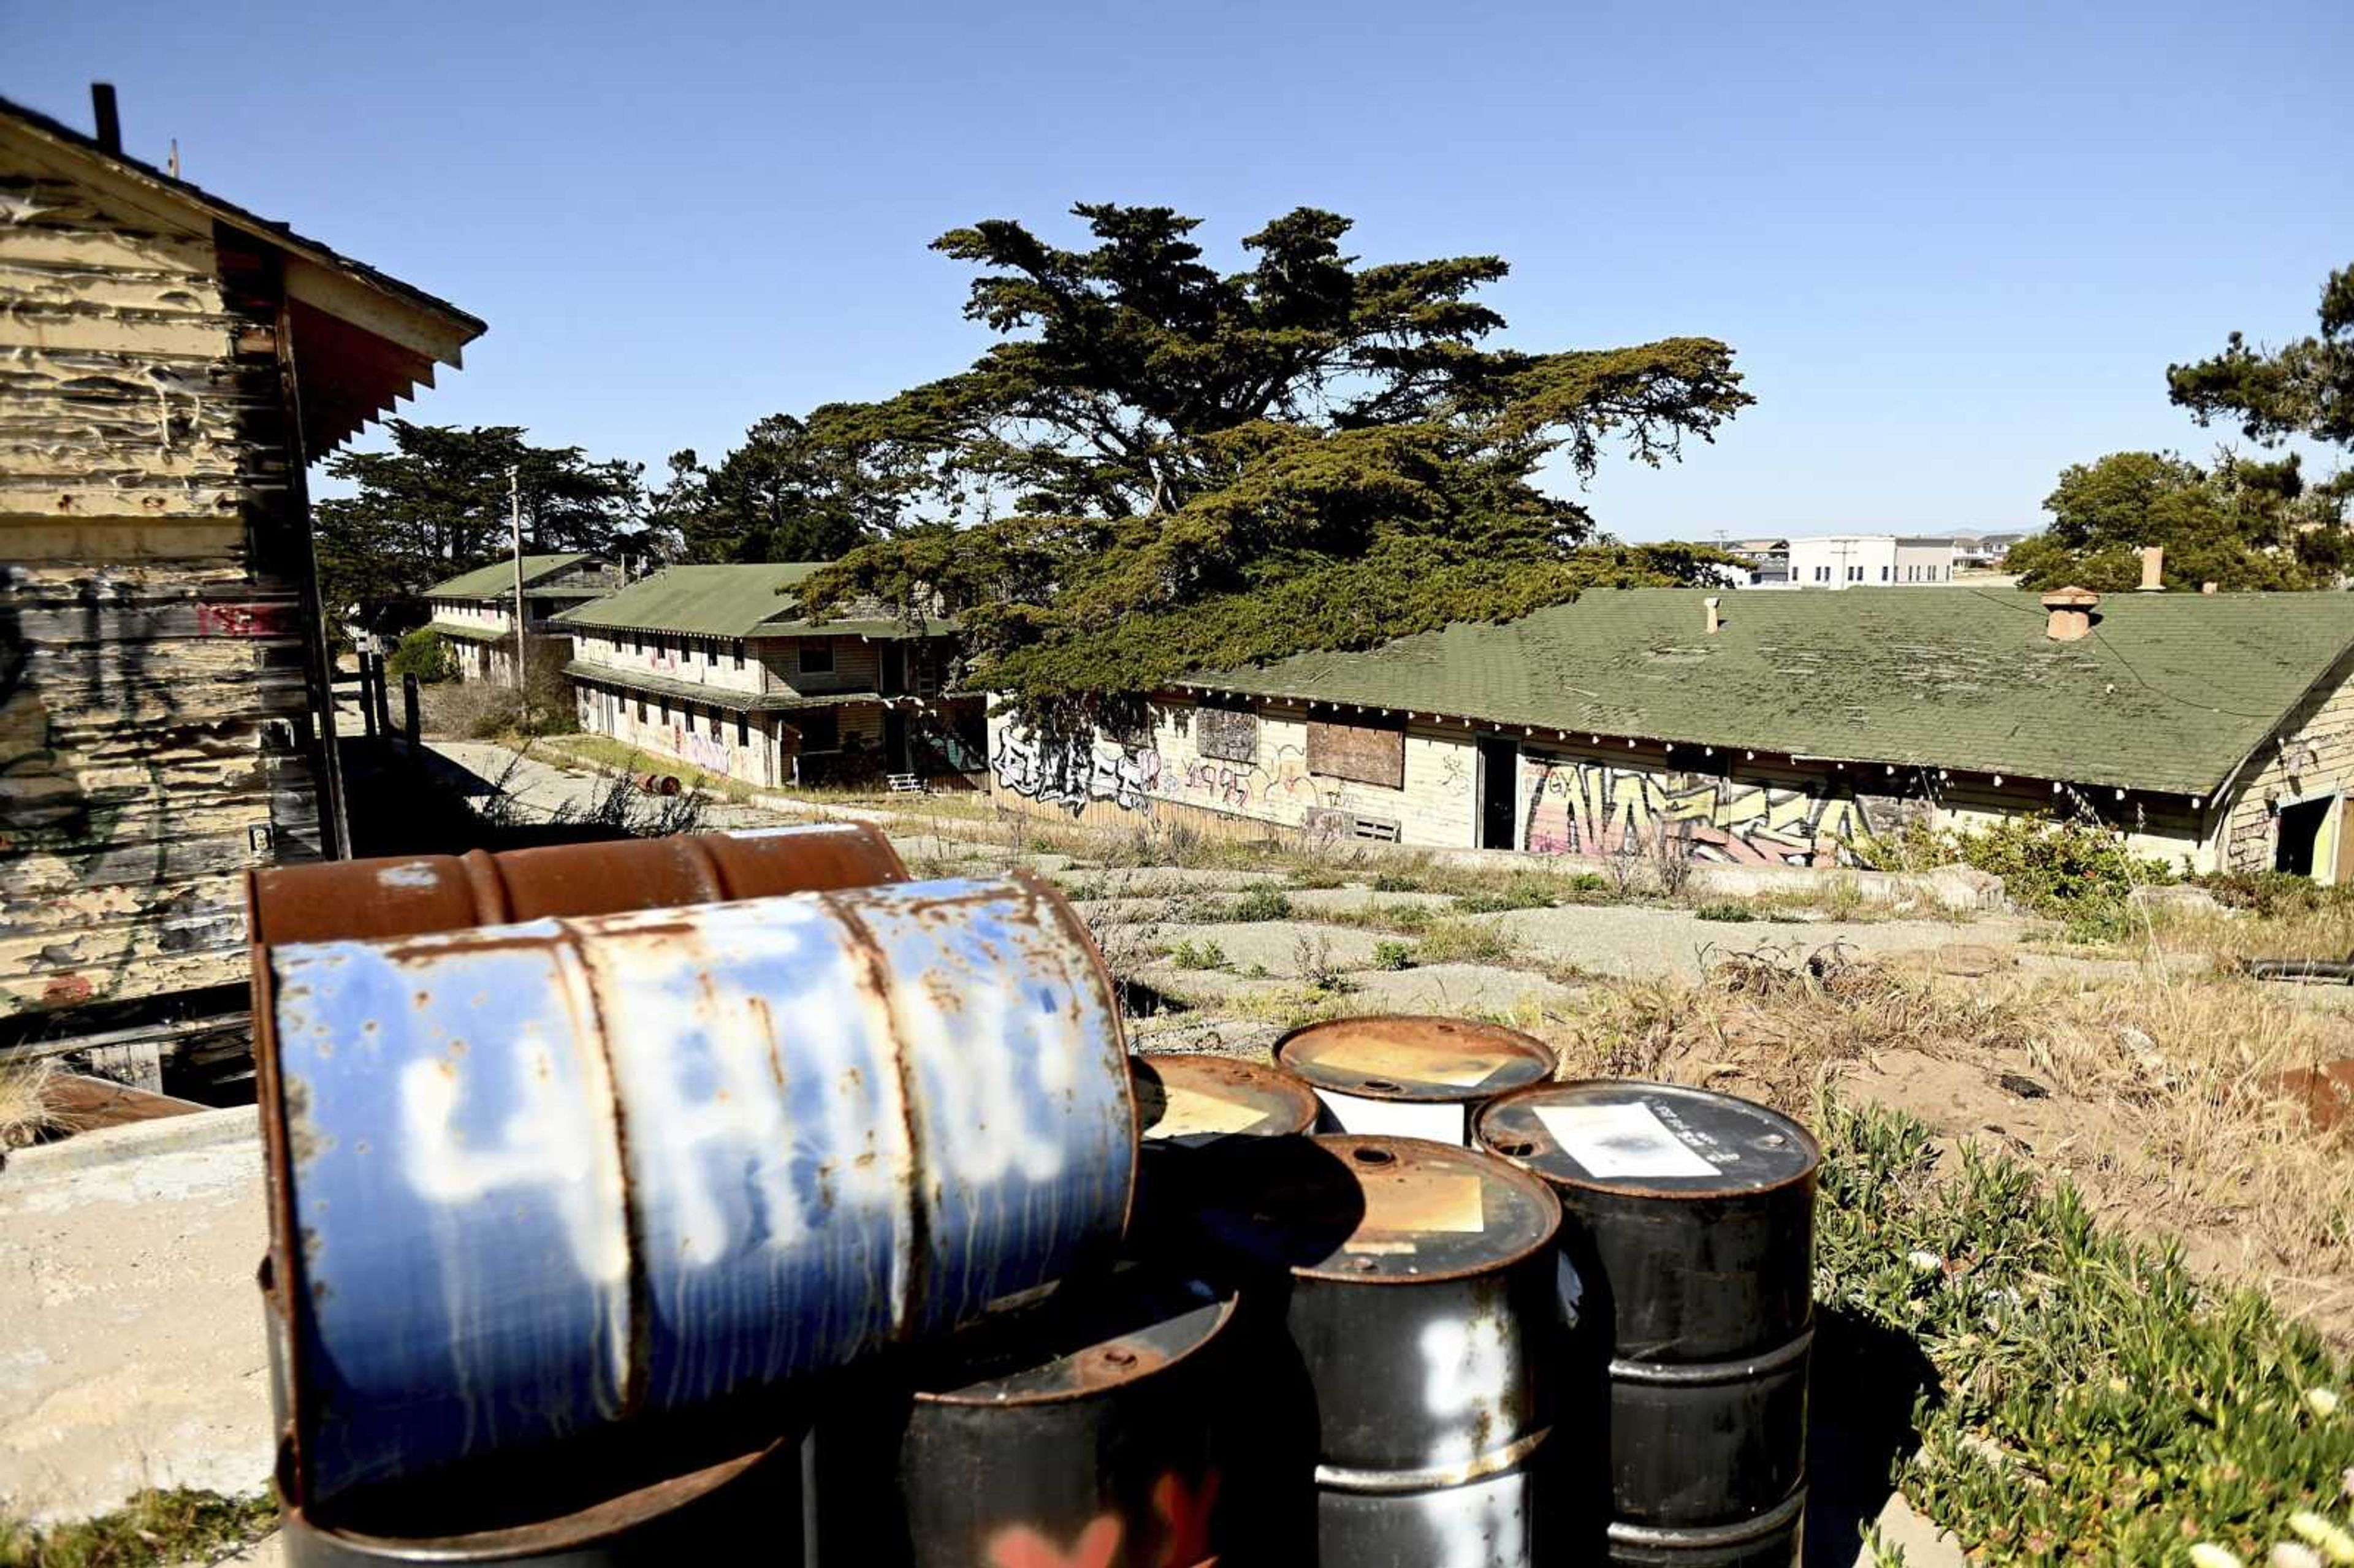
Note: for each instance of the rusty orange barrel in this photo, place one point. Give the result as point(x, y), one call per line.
point(538, 1181)
point(406, 895)
point(1408, 1076)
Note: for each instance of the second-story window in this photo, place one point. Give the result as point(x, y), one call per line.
point(817, 658)
point(739, 652)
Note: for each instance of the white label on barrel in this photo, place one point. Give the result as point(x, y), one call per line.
point(1189, 1112)
point(1442, 1122)
point(1621, 1140)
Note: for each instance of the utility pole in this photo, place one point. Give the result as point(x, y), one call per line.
point(514, 521)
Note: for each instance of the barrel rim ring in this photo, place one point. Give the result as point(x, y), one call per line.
point(1479, 1139)
point(1549, 1238)
point(1445, 1095)
point(1038, 888)
point(1695, 1537)
point(948, 1399)
point(1723, 1370)
point(1432, 1478)
point(587, 1527)
point(1295, 1093)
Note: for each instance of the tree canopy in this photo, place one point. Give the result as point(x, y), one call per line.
point(1162, 467)
point(2239, 525)
point(2303, 388)
point(792, 492)
point(435, 505)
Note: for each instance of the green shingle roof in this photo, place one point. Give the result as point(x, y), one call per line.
point(727, 602)
point(2170, 692)
point(488, 582)
point(700, 695)
point(711, 601)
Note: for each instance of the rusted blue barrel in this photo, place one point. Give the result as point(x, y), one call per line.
point(1689, 1218)
point(1420, 1326)
point(1403, 1075)
point(1084, 1430)
point(549, 1179)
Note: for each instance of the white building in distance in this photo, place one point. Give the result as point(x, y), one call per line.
point(1870, 560)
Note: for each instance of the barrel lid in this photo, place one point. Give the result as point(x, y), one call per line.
point(1088, 1336)
point(1190, 1101)
point(1403, 1058)
point(1378, 1210)
point(1661, 1138)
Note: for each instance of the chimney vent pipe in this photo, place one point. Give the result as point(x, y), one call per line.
point(2153, 569)
point(2071, 613)
point(110, 122)
point(1710, 603)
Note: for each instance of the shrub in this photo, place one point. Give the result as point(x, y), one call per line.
point(1192, 955)
point(1393, 955)
point(424, 653)
point(1264, 902)
point(2076, 872)
point(2271, 893)
point(1589, 882)
point(1312, 959)
point(1524, 890)
point(2095, 1402)
point(1727, 911)
point(1465, 942)
point(1396, 882)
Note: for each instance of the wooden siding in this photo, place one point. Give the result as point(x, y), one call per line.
point(2309, 757)
point(155, 700)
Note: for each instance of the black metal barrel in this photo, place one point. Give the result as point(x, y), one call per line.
point(1688, 1221)
point(1421, 1318)
point(1409, 1076)
point(1194, 1114)
point(1086, 1429)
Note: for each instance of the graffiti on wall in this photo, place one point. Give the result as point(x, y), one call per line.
point(1070, 773)
point(1282, 781)
point(1578, 806)
point(702, 750)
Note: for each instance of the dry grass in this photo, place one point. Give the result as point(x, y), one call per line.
point(24, 1109)
point(2161, 1103)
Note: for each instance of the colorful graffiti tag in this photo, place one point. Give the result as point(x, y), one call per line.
point(1071, 773)
point(1578, 806)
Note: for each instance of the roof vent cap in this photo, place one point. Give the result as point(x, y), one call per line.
point(2070, 610)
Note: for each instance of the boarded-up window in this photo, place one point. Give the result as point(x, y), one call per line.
point(1230, 734)
point(1369, 753)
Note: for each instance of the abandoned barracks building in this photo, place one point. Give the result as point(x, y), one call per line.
point(475, 610)
point(169, 365)
point(717, 666)
point(1766, 728)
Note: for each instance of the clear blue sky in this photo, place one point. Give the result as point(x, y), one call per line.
point(1954, 247)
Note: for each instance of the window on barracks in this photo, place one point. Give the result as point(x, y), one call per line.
point(817, 658)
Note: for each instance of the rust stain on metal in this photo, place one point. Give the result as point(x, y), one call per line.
point(874, 981)
point(1415, 1058)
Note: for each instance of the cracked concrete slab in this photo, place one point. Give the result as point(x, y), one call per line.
point(130, 1353)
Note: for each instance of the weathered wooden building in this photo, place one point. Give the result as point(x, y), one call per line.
point(719, 666)
point(475, 610)
point(2216, 730)
point(169, 365)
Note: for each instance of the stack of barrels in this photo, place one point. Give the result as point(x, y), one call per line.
point(736, 1200)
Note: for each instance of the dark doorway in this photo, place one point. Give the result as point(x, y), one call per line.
point(1500, 772)
point(2299, 834)
point(894, 740)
